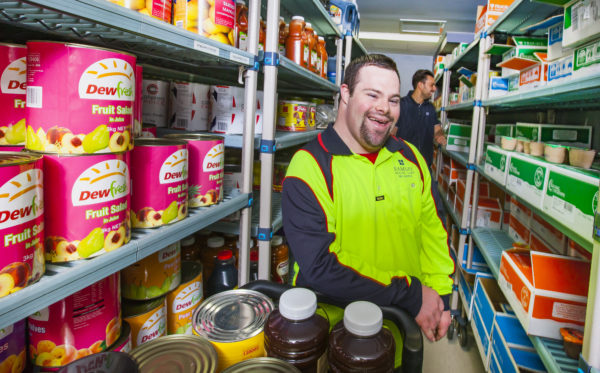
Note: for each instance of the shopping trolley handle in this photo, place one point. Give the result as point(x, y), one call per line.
point(412, 349)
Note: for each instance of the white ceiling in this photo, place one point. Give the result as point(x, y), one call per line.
point(384, 15)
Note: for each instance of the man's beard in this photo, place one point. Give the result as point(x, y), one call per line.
point(370, 137)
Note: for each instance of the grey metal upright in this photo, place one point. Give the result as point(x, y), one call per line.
point(447, 74)
point(267, 148)
point(348, 52)
point(251, 78)
point(591, 335)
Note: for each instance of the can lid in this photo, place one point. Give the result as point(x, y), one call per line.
point(107, 361)
point(297, 304)
point(363, 318)
point(135, 307)
point(225, 255)
point(194, 137)
point(16, 158)
point(189, 353)
point(321, 38)
point(262, 365)
point(155, 141)
point(215, 241)
point(189, 240)
point(254, 256)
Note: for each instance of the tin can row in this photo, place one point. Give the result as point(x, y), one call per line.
point(296, 115)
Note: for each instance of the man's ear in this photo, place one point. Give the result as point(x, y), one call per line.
point(344, 93)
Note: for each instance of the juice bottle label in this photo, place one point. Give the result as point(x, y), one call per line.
point(305, 55)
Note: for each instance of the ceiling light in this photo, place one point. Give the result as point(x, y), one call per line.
point(394, 36)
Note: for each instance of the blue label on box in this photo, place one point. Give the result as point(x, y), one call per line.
point(499, 84)
point(560, 68)
point(555, 34)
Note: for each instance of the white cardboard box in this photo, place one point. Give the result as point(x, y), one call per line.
point(527, 178)
point(496, 165)
point(582, 22)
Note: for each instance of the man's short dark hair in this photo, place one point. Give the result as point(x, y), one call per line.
point(421, 76)
point(379, 60)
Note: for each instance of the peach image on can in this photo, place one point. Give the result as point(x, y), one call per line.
point(79, 325)
point(182, 301)
point(13, 354)
point(159, 175)
point(123, 344)
point(148, 320)
point(153, 276)
point(13, 81)
point(21, 221)
point(206, 155)
point(88, 200)
point(79, 98)
point(155, 102)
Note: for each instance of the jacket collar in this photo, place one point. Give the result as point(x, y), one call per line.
point(333, 143)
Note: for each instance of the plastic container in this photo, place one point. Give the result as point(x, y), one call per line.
point(280, 257)
point(283, 34)
point(309, 50)
point(359, 344)
point(294, 44)
point(323, 58)
point(214, 245)
point(224, 276)
point(295, 334)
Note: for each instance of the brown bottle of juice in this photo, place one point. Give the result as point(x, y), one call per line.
point(309, 48)
point(294, 333)
point(240, 29)
point(190, 249)
point(214, 245)
point(280, 260)
point(359, 343)
point(323, 58)
point(294, 44)
point(283, 33)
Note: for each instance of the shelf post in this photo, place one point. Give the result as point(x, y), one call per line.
point(591, 335)
point(251, 76)
point(348, 52)
point(339, 46)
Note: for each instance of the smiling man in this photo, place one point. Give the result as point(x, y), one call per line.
point(358, 211)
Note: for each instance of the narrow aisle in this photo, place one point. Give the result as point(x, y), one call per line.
point(448, 356)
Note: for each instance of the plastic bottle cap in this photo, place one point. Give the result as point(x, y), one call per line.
point(300, 18)
point(215, 241)
point(254, 256)
point(205, 233)
point(297, 304)
point(281, 18)
point(321, 38)
point(308, 24)
point(224, 255)
point(240, 2)
point(276, 240)
point(363, 318)
point(188, 241)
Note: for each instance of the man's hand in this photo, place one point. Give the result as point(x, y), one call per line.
point(430, 313)
point(443, 325)
point(440, 139)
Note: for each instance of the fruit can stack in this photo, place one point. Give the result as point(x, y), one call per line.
point(13, 67)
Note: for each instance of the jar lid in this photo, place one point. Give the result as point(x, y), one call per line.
point(254, 256)
point(297, 304)
point(276, 240)
point(321, 38)
point(308, 24)
point(215, 241)
point(281, 18)
point(300, 18)
point(363, 318)
point(188, 241)
point(225, 255)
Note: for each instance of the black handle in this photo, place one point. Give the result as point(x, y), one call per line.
point(412, 351)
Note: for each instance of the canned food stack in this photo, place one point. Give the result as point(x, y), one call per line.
point(155, 103)
point(212, 19)
point(158, 9)
point(227, 105)
point(13, 66)
point(296, 115)
point(189, 106)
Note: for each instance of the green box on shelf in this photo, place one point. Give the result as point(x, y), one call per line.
point(513, 82)
point(496, 163)
point(572, 198)
point(587, 57)
point(565, 134)
point(527, 178)
point(459, 137)
point(525, 47)
point(504, 130)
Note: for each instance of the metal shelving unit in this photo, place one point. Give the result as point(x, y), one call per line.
point(466, 105)
point(61, 280)
point(233, 227)
point(468, 57)
point(521, 14)
point(449, 208)
point(460, 157)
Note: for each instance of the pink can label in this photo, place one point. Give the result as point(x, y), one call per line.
point(82, 324)
point(224, 13)
point(21, 226)
point(13, 67)
point(159, 175)
point(206, 159)
point(12, 348)
point(88, 204)
point(11, 148)
point(79, 99)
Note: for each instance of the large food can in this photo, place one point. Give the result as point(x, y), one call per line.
point(137, 104)
point(88, 211)
point(212, 18)
point(79, 98)
point(233, 322)
point(123, 344)
point(206, 168)
point(148, 320)
point(13, 67)
point(153, 276)
point(159, 176)
point(232, 123)
point(293, 115)
point(108, 361)
point(21, 221)
point(189, 107)
point(155, 102)
point(263, 364)
point(13, 353)
point(190, 353)
point(182, 301)
point(81, 324)
point(8, 148)
point(148, 131)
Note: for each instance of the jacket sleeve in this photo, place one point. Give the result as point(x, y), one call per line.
point(437, 265)
point(310, 233)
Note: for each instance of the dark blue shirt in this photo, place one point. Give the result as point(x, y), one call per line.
point(416, 123)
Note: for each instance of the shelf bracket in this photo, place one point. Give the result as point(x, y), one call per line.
point(465, 231)
point(250, 200)
point(584, 367)
point(265, 234)
point(16, 19)
point(268, 146)
point(471, 166)
point(271, 59)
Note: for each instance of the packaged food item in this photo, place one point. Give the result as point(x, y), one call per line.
point(283, 34)
point(182, 301)
point(309, 46)
point(148, 319)
point(214, 19)
point(224, 275)
point(189, 109)
point(280, 257)
point(262, 35)
point(186, 353)
point(572, 342)
point(323, 58)
point(240, 34)
point(123, 343)
point(293, 115)
point(149, 131)
point(21, 221)
point(155, 103)
point(92, 112)
point(107, 361)
point(13, 67)
point(14, 354)
point(137, 104)
point(295, 42)
point(190, 249)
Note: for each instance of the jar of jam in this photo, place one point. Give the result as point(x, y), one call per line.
point(294, 44)
point(279, 260)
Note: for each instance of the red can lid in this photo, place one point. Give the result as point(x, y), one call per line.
point(254, 256)
point(224, 255)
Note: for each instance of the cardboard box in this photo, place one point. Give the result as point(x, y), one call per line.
point(572, 198)
point(498, 87)
point(546, 291)
point(508, 359)
point(555, 47)
point(487, 298)
point(527, 178)
point(506, 221)
point(582, 22)
point(513, 82)
point(586, 59)
point(518, 231)
point(552, 236)
point(478, 263)
point(496, 164)
point(484, 189)
point(524, 47)
point(512, 331)
point(534, 76)
point(520, 212)
point(560, 68)
point(578, 251)
point(454, 171)
point(504, 130)
point(562, 134)
point(451, 193)
point(537, 243)
point(490, 13)
point(489, 212)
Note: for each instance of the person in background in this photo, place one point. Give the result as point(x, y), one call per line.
point(358, 211)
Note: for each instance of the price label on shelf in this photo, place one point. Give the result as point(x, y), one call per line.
point(199, 46)
point(239, 58)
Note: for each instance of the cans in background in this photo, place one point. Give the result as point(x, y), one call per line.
point(233, 322)
point(153, 276)
point(213, 19)
point(148, 320)
point(159, 9)
point(161, 355)
point(182, 301)
point(232, 123)
point(189, 106)
point(81, 324)
point(293, 115)
point(13, 355)
point(80, 98)
point(148, 131)
point(260, 364)
point(13, 67)
point(155, 102)
point(21, 220)
point(87, 199)
point(109, 361)
point(123, 344)
point(159, 177)
point(137, 104)
point(206, 168)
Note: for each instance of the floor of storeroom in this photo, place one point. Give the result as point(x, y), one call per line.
point(448, 356)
